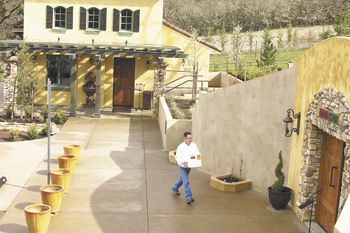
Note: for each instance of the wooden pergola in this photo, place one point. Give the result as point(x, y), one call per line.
point(99, 51)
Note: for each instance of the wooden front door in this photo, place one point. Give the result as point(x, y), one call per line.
point(123, 83)
point(329, 182)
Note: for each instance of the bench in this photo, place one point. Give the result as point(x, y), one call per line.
point(2, 180)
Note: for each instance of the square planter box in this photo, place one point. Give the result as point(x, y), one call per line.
point(216, 183)
point(171, 157)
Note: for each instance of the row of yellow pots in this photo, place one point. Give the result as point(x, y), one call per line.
point(38, 215)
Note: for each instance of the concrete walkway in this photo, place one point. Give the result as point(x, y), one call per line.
point(122, 185)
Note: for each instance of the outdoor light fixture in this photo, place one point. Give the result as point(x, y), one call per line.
point(289, 121)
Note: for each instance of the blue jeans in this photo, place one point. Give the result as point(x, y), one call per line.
point(183, 180)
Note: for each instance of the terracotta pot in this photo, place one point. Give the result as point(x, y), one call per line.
point(67, 162)
point(72, 150)
point(61, 177)
point(38, 217)
point(52, 195)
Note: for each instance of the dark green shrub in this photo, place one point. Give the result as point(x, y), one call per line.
point(277, 186)
point(44, 131)
point(8, 112)
point(44, 113)
point(32, 132)
point(59, 117)
point(28, 111)
point(13, 134)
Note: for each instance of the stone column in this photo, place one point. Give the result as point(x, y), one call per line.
point(73, 85)
point(98, 58)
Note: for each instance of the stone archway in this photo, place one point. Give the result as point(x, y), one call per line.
point(328, 112)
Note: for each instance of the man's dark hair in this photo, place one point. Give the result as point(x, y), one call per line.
point(186, 134)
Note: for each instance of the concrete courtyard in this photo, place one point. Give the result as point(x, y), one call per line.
point(122, 185)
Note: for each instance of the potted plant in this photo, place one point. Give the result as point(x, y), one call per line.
point(279, 195)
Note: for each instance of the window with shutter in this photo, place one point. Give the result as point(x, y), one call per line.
point(49, 16)
point(103, 20)
point(93, 18)
point(60, 17)
point(82, 18)
point(136, 21)
point(116, 15)
point(126, 20)
point(70, 17)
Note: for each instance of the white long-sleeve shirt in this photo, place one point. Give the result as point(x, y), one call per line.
point(184, 153)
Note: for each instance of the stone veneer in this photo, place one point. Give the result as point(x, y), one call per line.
point(335, 102)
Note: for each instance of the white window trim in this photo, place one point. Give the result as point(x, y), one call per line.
point(93, 30)
point(58, 29)
point(126, 32)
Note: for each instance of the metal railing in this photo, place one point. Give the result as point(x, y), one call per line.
point(179, 85)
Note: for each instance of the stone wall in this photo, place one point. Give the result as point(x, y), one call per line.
point(334, 102)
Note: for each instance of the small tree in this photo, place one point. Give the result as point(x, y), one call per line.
point(342, 23)
point(268, 54)
point(295, 39)
point(277, 186)
point(209, 36)
point(280, 38)
point(26, 79)
point(223, 38)
point(251, 39)
point(289, 33)
point(237, 42)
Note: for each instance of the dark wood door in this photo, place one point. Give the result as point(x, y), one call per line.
point(123, 83)
point(329, 182)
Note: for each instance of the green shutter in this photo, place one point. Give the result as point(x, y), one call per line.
point(116, 17)
point(136, 21)
point(82, 18)
point(103, 20)
point(49, 16)
point(70, 17)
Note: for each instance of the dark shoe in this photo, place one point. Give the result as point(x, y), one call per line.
point(190, 200)
point(177, 193)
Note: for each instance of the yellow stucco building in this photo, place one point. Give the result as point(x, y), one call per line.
point(320, 153)
point(110, 48)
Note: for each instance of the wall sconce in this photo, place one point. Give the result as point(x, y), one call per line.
point(289, 121)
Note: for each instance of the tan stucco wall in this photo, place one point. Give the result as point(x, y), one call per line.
point(172, 130)
point(151, 17)
point(324, 65)
point(244, 121)
point(174, 38)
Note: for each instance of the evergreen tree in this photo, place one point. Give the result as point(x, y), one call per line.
point(280, 38)
point(268, 54)
point(250, 38)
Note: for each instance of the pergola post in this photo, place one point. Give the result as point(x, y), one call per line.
point(73, 86)
point(98, 58)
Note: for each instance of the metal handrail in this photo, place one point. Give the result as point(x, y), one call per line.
point(181, 78)
point(172, 88)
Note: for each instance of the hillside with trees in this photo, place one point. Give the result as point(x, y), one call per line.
point(208, 16)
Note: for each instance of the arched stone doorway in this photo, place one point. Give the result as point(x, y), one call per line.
point(328, 116)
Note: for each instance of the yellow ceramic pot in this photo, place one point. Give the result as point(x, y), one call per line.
point(61, 177)
point(67, 162)
point(38, 217)
point(52, 195)
point(72, 150)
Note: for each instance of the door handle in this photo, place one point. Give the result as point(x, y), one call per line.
point(331, 180)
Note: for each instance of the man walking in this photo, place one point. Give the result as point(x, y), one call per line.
point(183, 154)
